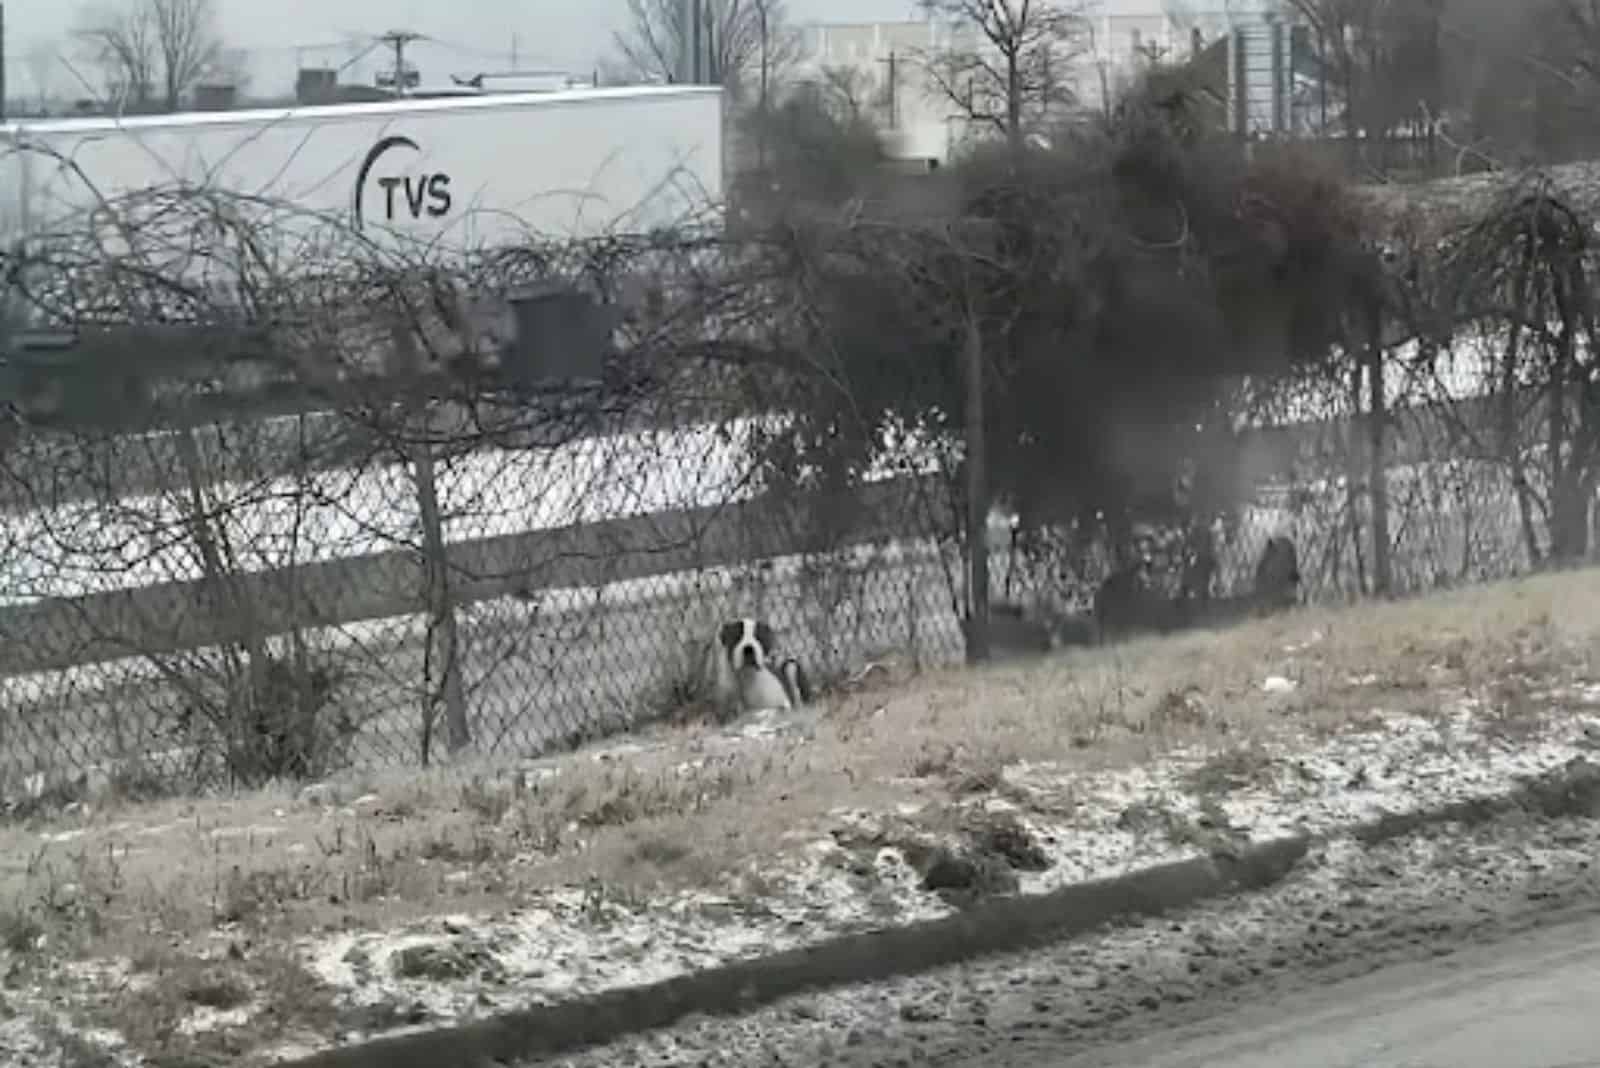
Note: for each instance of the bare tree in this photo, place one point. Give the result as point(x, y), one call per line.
point(41, 60)
point(1561, 70)
point(848, 93)
point(186, 40)
point(1009, 70)
point(749, 44)
point(776, 49)
point(122, 45)
point(1383, 57)
point(152, 43)
point(735, 32)
point(1508, 81)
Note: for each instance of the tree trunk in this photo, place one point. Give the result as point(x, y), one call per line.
point(766, 86)
point(1014, 106)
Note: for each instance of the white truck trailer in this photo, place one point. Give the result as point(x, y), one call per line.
point(462, 172)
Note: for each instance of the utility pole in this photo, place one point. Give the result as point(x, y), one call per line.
point(2, 63)
point(397, 40)
point(697, 25)
point(894, 88)
point(696, 57)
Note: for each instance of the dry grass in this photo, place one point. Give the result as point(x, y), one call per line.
point(156, 881)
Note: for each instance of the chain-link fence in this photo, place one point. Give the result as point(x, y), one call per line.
point(147, 587)
point(1464, 495)
point(232, 598)
point(583, 582)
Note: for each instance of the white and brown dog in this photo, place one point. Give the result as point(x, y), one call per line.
point(745, 675)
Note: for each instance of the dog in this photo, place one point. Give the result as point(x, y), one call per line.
point(762, 690)
point(796, 683)
point(745, 674)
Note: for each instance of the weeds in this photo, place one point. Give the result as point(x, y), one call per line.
point(133, 868)
point(1239, 768)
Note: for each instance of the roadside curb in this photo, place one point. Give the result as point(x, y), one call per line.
point(1572, 790)
point(999, 925)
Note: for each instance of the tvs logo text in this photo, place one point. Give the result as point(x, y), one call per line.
point(416, 194)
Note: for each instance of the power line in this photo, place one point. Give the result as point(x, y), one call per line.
point(468, 50)
point(397, 40)
point(517, 55)
point(358, 57)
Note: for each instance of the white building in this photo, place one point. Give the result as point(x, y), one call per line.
point(1260, 35)
point(885, 63)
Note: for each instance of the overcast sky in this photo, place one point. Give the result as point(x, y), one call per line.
point(570, 34)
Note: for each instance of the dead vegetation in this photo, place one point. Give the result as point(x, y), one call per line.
point(697, 808)
point(359, 839)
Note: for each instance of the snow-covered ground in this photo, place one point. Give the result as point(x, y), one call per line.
point(825, 880)
point(560, 950)
point(86, 547)
point(89, 546)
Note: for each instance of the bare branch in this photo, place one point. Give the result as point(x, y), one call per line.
point(186, 38)
point(153, 51)
point(746, 39)
point(123, 46)
point(1008, 67)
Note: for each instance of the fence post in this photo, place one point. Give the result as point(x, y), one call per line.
point(442, 640)
point(228, 596)
point(1355, 443)
point(1378, 470)
point(977, 498)
point(444, 647)
point(913, 631)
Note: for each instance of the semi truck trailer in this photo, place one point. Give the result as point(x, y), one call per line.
point(452, 172)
